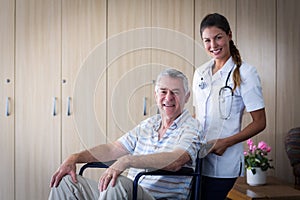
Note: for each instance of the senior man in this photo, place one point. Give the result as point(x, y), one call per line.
point(169, 141)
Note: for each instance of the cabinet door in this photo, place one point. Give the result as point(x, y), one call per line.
point(84, 75)
point(128, 64)
point(7, 99)
point(38, 95)
point(173, 38)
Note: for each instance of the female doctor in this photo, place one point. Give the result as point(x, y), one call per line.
point(223, 88)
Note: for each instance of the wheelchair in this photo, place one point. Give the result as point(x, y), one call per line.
point(184, 171)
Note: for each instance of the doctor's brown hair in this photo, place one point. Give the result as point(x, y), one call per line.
point(221, 22)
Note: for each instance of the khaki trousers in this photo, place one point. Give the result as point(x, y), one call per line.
point(87, 189)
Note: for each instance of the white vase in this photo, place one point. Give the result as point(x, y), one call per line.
point(259, 178)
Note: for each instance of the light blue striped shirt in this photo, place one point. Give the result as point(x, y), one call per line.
point(185, 133)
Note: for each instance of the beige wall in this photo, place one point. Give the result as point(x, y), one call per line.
point(44, 43)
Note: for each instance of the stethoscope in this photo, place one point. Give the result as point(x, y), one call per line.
point(225, 97)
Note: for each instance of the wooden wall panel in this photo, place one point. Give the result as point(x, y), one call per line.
point(83, 83)
point(176, 48)
point(128, 64)
point(38, 75)
point(7, 112)
point(287, 80)
point(256, 40)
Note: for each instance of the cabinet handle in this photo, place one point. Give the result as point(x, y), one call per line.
point(68, 106)
point(7, 106)
point(54, 106)
point(145, 107)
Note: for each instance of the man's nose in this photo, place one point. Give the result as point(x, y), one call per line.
point(169, 95)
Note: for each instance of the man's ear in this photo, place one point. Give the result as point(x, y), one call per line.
point(187, 96)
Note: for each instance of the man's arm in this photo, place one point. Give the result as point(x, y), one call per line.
point(171, 161)
point(103, 153)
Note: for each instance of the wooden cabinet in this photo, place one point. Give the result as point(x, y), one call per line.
point(154, 35)
point(53, 40)
point(38, 96)
point(127, 64)
point(7, 99)
point(83, 75)
point(173, 38)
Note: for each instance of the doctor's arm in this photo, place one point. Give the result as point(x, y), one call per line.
point(257, 125)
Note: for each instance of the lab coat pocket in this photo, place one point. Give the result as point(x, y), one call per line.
point(225, 102)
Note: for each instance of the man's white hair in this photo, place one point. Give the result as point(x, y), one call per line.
point(173, 73)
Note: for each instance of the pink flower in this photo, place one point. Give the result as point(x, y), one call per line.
point(249, 142)
point(251, 145)
point(256, 156)
point(262, 145)
point(253, 148)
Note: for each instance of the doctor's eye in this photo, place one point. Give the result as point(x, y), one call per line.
point(206, 40)
point(219, 37)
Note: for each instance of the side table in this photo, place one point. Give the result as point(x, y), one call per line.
point(274, 189)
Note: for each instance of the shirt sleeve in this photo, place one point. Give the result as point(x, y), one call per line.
point(251, 90)
point(191, 138)
point(129, 139)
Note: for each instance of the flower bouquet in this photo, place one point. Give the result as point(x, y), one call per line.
point(256, 156)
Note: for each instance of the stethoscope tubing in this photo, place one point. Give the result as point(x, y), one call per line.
point(203, 85)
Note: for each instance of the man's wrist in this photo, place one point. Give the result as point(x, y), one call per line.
point(74, 158)
point(127, 161)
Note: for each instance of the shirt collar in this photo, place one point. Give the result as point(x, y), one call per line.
point(229, 65)
point(177, 122)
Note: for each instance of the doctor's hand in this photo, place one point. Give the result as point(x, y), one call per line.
point(68, 167)
point(219, 147)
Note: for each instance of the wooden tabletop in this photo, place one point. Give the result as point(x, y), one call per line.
point(274, 189)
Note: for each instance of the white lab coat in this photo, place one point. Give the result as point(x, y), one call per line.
point(248, 96)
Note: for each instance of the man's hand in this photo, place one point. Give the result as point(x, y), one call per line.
point(112, 173)
point(68, 167)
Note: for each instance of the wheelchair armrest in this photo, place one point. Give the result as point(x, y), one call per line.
point(184, 171)
point(92, 165)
